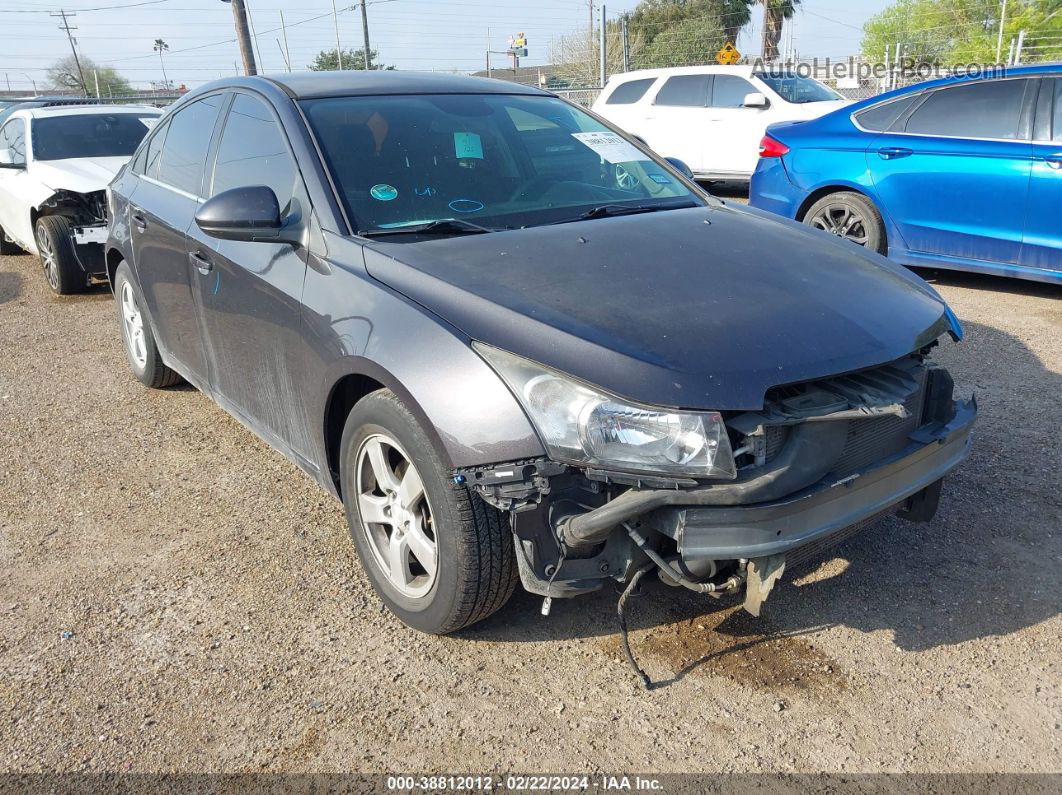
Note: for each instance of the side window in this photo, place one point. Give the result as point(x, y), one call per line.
point(153, 150)
point(883, 116)
point(986, 109)
point(13, 137)
point(254, 151)
point(729, 91)
point(181, 163)
point(685, 91)
point(630, 92)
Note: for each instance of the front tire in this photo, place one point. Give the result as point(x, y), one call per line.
point(56, 251)
point(438, 556)
point(137, 337)
point(850, 216)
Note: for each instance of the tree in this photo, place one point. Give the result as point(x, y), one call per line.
point(775, 12)
point(63, 76)
point(328, 60)
point(963, 31)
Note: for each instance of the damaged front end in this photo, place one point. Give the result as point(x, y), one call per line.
point(87, 216)
point(818, 462)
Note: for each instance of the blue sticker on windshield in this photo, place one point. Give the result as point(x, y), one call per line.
point(660, 179)
point(468, 145)
point(465, 206)
point(383, 192)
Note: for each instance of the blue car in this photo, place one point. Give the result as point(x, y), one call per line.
point(963, 173)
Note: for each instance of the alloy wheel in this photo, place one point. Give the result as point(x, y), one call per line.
point(48, 258)
point(396, 517)
point(843, 221)
point(133, 323)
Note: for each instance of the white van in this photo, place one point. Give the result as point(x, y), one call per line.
point(711, 117)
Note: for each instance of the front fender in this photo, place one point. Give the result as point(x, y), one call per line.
point(361, 327)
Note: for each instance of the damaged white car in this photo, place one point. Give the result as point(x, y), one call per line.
point(55, 164)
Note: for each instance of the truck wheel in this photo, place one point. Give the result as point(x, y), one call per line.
point(56, 250)
point(8, 246)
point(439, 557)
point(140, 347)
point(850, 216)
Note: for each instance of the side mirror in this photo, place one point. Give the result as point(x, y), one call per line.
point(250, 214)
point(756, 100)
point(10, 159)
point(680, 166)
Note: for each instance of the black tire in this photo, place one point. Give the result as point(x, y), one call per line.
point(147, 366)
point(476, 565)
point(8, 246)
point(827, 211)
point(56, 250)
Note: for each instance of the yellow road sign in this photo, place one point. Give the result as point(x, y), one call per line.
point(728, 56)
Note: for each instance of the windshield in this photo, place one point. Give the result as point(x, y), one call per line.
point(797, 89)
point(90, 135)
point(495, 160)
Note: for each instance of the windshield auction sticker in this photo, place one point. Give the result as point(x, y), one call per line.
point(610, 146)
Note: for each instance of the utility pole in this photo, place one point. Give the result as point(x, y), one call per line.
point(626, 43)
point(339, 49)
point(95, 74)
point(243, 36)
point(254, 36)
point(365, 32)
point(66, 27)
point(287, 52)
point(604, 46)
point(160, 47)
point(488, 54)
point(1002, 22)
point(1019, 47)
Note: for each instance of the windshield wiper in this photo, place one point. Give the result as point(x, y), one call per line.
point(612, 210)
point(444, 226)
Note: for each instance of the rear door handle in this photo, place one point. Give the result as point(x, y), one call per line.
point(204, 265)
point(894, 152)
point(140, 222)
point(1055, 162)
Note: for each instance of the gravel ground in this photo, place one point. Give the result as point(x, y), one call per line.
point(178, 597)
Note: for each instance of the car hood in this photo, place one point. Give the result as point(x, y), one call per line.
point(699, 308)
point(81, 175)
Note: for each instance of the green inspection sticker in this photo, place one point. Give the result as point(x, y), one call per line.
point(468, 145)
point(383, 192)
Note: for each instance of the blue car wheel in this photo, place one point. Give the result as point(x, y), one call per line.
point(851, 216)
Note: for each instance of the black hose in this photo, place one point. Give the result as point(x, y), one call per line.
point(624, 637)
point(676, 576)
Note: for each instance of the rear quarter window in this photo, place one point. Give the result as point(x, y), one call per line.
point(630, 92)
point(882, 117)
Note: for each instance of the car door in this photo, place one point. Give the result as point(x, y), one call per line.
point(249, 293)
point(731, 138)
point(674, 124)
point(14, 208)
point(1042, 241)
point(161, 210)
point(953, 172)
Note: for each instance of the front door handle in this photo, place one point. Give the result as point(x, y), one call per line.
point(894, 152)
point(204, 265)
point(140, 222)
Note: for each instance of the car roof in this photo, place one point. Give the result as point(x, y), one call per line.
point(84, 110)
point(313, 85)
point(740, 71)
point(1000, 74)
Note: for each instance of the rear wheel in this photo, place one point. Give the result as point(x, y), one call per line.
point(56, 250)
point(438, 556)
point(140, 347)
point(850, 216)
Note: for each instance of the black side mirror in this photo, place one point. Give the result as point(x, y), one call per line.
point(250, 214)
point(680, 166)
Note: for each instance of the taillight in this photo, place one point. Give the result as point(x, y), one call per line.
point(771, 147)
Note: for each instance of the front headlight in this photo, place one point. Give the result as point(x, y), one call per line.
point(581, 424)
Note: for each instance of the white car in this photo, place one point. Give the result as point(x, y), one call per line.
point(711, 117)
point(55, 165)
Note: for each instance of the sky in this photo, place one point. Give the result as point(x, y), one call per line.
point(410, 34)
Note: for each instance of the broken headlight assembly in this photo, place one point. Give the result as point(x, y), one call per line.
point(583, 425)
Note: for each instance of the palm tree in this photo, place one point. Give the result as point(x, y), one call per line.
point(160, 47)
point(736, 15)
point(775, 12)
